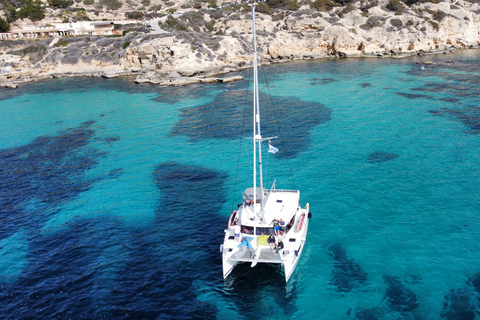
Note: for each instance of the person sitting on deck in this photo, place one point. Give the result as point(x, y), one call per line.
point(282, 226)
point(271, 241)
point(236, 231)
point(279, 246)
point(276, 226)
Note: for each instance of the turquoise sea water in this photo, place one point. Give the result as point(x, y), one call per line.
point(115, 195)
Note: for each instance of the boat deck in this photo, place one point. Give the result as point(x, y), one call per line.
point(264, 255)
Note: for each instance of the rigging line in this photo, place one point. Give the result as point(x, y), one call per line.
point(277, 127)
point(241, 140)
point(266, 169)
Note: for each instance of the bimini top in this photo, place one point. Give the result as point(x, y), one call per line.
point(248, 195)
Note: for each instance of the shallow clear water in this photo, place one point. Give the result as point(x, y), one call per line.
point(115, 196)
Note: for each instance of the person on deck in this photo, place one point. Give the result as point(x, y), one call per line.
point(276, 226)
point(279, 246)
point(282, 226)
point(236, 231)
point(271, 241)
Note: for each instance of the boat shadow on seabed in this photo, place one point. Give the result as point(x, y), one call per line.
point(261, 289)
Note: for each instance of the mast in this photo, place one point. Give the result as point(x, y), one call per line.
point(257, 137)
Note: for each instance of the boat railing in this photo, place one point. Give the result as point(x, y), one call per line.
point(273, 185)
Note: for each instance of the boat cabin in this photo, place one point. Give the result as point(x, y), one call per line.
point(248, 195)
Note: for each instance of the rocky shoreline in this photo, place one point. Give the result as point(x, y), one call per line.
point(199, 46)
point(17, 78)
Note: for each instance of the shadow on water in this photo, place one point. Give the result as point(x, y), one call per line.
point(399, 302)
point(468, 116)
point(380, 156)
point(76, 84)
point(228, 117)
point(81, 84)
point(321, 81)
point(178, 94)
point(94, 268)
point(400, 298)
point(458, 90)
point(458, 80)
point(464, 302)
point(56, 279)
point(260, 292)
point(180, 248)
point(347, 274)
point(40, 175)
point(6, 93)
point(60, 274)
point(414, 96)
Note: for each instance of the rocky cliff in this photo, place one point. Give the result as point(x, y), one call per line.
point(203, 43)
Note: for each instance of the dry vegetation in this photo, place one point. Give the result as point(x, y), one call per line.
point(201, 23)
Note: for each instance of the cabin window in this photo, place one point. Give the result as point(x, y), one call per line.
point(291, 223)
point(264, 231)
point(247, 229)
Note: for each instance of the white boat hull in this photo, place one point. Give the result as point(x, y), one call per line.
point(252, 248)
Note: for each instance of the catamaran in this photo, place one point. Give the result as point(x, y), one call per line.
point(269, 226)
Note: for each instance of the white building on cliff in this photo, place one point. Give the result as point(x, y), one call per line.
point(61, 29)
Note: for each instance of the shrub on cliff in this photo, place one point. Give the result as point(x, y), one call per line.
point(60, 3)
point(105, 42)
point(11, 13)
point(133, 15)
point(372, 22)
point(216, 14)
point(199, 40)
point(433, 24)
point(364, 6)
point(395, 6)
point(264, 8)
point(348, 8)
point(193, 20)
point(278, 16)
point(110, 4)
point(87, 57)
point(323, 5)
point(212, 4)
point(344, 2)
point(32, 10)
point(172, 23)
point(437, 15)
point(4, 25)
point(104, 56)
point(286, 4)
point(34, 51)
point(410, 2)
